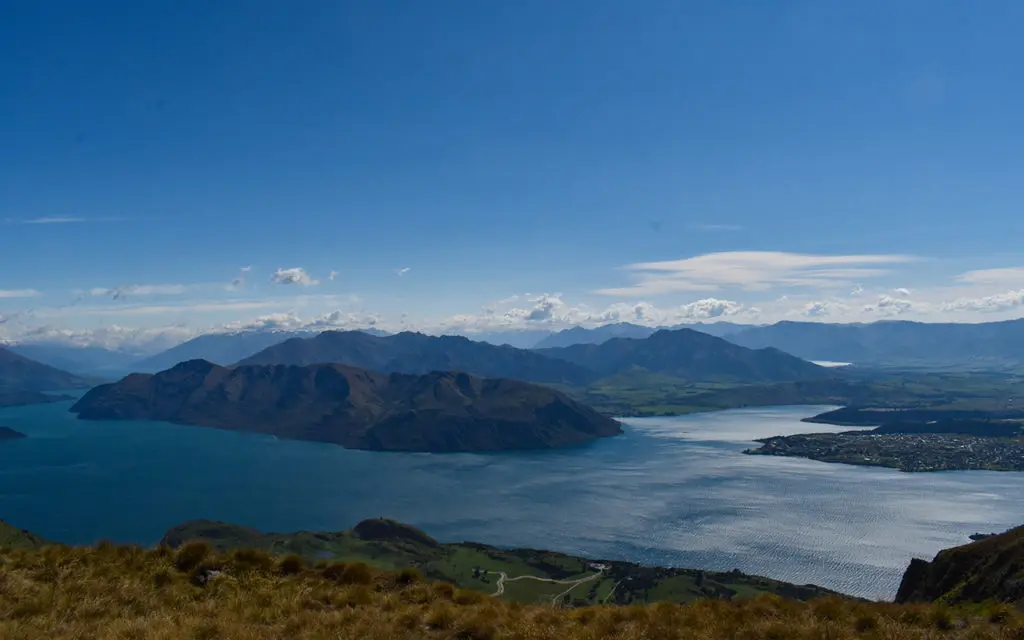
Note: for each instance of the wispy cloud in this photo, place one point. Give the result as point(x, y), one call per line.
point(1005, 275)
point(333, 274)
point(18, 293)
point(124, 291)
point(55, 220)
point(753, 271)
point(197, 307)
point(717, 227)
point(403, 271)
point(293, 275)
point(63, 220)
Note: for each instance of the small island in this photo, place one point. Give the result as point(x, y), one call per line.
point(992, 445)
point(6, 433)
point(438, 412)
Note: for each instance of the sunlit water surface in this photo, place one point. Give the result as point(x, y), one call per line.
point(670, 491)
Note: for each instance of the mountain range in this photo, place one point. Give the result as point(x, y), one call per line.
point(21, 374)
point(688, 354)
point(81, 360)
point(892, 342)
point(228, 347)
point(682, 353)
point(219, 348)
point(597, 335)
point(409, 352)
point(359, 409)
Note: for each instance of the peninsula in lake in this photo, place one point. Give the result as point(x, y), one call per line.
point(356, 408)
point(935, 445)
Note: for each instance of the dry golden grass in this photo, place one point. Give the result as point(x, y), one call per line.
point(112, 592)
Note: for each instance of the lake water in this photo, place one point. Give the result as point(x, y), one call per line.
point(670, 491)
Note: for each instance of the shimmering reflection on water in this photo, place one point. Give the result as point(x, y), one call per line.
point(674, 491)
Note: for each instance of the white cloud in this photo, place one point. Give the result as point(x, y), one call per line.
point(293, 275)
point(1004, 276)
point(290, 321)
point(332, 275)
point(403, 271)
point(550, 311)
point(903, 291)
point(889, 306)
point(823, 308)
point(988, 304)
point(857, 290)
point(111, 337)
point(752, 271)
point(18, 293)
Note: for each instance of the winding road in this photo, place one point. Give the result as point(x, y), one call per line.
point(572, 582)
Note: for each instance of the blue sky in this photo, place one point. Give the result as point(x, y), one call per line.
point(512, 157)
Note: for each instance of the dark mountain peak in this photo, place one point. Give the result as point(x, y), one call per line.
point(386, 529)
point(691, 354)
point(683, 333)
point(196, 365)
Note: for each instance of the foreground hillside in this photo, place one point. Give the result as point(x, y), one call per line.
point(533, 575)
point(991, 568)
point(60, 593)
point(358, 409)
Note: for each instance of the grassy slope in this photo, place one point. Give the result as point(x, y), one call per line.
point(403, 546)
point(126, 593)
point(13, 537)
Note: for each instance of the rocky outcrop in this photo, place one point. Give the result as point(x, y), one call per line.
point(988, 569)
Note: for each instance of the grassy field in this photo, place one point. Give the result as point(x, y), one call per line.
point(128, 593)
point(642, 393)
point(388, 545)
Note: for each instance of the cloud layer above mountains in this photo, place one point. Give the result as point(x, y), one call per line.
point(737, 286)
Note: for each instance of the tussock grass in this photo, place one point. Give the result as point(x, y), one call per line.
point(129, 593)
